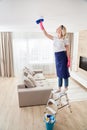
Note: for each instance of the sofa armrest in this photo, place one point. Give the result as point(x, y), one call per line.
point(32, 96)
point(20, 86)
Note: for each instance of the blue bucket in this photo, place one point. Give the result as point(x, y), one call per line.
point(49, 124)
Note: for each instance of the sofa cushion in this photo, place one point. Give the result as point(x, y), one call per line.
point(42, 83)
point(39, 76)
point(29, 81)
point(27, 71)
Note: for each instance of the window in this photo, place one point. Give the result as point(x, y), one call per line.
point(28, 51)
point(40, 51)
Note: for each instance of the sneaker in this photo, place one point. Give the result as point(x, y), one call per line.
point(66, 89)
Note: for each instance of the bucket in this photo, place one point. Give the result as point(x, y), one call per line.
point(49, 126)
point(49, 121)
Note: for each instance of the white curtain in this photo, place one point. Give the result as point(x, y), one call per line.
point(6, 55)
point(33, 53)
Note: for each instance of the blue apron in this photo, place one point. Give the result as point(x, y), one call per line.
point(61, 65)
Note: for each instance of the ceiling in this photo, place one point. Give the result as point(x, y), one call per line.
point(20, 15)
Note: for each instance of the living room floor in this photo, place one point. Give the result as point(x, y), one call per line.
point(30, 118)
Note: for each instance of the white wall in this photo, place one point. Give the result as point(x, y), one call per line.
point(80, 49)
point(75, 52)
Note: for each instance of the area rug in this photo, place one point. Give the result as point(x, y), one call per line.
point(75, 93)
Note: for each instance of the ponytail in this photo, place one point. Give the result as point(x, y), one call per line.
point(63, 29)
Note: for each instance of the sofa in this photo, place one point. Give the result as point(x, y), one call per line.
point(35, 89)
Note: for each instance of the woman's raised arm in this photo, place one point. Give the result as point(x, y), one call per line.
point(45, 32)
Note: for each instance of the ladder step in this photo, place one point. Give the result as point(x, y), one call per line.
point(54, 91)
point(51, 110)
point(53, 101)
point(60, 95)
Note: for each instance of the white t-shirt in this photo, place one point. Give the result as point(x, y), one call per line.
point(59, 44)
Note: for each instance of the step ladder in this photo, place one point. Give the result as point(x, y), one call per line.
point(56, 101)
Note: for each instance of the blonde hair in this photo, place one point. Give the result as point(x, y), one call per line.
point(63, 31)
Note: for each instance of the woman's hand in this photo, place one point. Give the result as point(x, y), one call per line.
point(68, 63)
point(41, 26)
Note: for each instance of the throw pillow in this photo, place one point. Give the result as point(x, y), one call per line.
point(29, 81)
point(32, 79)
point(28, 71)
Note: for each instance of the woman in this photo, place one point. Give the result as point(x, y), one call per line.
point(61, 51)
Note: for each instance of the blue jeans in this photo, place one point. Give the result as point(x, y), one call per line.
point(60, 82)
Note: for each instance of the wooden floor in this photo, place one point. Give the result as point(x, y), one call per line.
point(31, 118)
